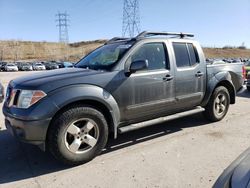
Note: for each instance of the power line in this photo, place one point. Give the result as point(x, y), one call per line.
point(62, 20)
point(131, 18)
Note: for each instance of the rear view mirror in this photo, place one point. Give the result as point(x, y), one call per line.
point(138, 65)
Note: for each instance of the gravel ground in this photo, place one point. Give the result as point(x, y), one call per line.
point(188, 152)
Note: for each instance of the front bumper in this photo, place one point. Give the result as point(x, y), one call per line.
point(39, 68)
point(12, 70)
point(27, 69)
point(33, 132)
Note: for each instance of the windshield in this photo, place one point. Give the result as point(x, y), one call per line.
point(105, 57)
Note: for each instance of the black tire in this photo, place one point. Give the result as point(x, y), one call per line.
point(248, 88)
point(59, 136)
point(214, 110)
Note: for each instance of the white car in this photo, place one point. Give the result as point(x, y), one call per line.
point(38, 66)
point(11, 67)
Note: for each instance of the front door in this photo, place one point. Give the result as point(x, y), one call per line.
point(151, 91)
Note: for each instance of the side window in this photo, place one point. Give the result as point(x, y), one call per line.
point(181, 54)
point(154, 53)
point(194, 58)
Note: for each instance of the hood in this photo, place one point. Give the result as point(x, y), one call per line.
point(54, 79)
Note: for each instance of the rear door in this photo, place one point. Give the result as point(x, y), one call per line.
point(189, 75)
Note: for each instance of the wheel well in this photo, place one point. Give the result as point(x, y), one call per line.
point(230, 89)
point(95, 104)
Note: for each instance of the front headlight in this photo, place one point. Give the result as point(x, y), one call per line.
point(27, 98)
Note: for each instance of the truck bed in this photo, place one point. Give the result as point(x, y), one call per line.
point(235, 69)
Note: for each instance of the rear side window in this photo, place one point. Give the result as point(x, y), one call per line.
point(194, 59)
point(185, 54)
point(181, 54)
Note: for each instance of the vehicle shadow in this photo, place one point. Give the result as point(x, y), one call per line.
point(152, 132)
point(244, 93)
point(20, 161)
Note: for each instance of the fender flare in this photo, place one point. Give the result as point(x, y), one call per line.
point(67, 95)
point(223, 79)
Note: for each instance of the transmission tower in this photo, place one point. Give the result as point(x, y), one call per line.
point(131, 18)
point(62, 20)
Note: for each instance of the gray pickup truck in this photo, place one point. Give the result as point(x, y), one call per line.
point(124, 85)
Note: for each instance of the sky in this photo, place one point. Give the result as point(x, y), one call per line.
point(215, 23)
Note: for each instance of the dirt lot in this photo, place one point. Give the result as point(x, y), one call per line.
point(189, 152)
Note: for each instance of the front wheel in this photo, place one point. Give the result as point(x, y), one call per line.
point(218, 104)
point(77, 135)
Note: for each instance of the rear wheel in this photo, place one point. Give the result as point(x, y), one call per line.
point(248, 88)
point(218, 104)
point(78, 135)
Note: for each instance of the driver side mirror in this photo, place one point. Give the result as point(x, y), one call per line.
point(138, 65)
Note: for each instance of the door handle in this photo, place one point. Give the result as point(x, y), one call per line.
point(168, 77)
point(199, 74)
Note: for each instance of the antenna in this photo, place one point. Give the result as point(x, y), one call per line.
point(62, 20)
point(131, 18)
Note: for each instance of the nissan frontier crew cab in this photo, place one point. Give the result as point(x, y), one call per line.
point(124, 85)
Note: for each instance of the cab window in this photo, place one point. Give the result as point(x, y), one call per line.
point(154, 54)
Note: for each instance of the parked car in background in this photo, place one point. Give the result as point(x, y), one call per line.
point(11, 67)
point(237, 175)
point(216, 62)
point(38, 66)
point(1, 92)
point(228, 60)
point(236, 61)
point(65, 65)
point(2, 66)
point(246, 69)
point(51, 65)
point(25, 67)
point(18, 64)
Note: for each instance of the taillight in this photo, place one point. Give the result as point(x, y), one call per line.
point(244, 72)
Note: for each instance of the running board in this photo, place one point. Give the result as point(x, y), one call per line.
point(136, 126)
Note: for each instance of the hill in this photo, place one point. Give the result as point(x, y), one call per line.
point(30, 51)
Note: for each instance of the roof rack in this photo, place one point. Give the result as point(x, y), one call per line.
point(116, 39)
point(149, 34)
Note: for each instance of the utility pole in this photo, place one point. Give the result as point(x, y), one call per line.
point(62, 20)
point(131, 18)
